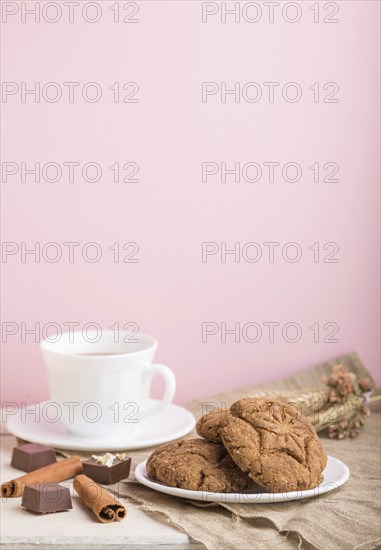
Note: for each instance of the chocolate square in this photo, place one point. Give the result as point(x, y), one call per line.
point(107, 475)
point(32, 456)
point(45, 498)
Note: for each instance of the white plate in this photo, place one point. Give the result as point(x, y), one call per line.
point(335, 474)
point(165, 425)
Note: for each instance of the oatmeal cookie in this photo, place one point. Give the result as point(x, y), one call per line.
point(210, 424)
point(197, 465)
point(274, 444)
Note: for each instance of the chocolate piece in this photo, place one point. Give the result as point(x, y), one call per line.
point(32, 456)
point(107, 475)
point(46, 497)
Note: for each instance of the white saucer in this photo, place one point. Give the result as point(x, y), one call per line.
point(165, 425)
point(335, 474)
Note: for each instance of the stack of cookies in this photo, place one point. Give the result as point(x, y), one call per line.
point(258, 444)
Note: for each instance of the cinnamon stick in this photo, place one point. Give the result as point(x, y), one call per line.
point(100, 502)
point(53, 473)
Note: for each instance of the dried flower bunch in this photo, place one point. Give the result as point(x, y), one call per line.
point(339, 404)
point(343, 388)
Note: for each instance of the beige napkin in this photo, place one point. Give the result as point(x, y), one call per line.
point(347, 518)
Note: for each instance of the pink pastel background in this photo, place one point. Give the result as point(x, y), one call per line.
point(170, 212)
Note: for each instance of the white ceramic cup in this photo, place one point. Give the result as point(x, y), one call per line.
point(102, 386)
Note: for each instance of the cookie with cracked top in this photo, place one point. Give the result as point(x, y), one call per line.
point(210, 424)
point(197, 465)
point(274, 444)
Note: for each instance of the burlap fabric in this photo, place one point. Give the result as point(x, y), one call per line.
point(347, 518)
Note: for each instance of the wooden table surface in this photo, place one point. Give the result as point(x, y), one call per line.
point(78, 528)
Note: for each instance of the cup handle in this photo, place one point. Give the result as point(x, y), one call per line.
point(170, 388)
